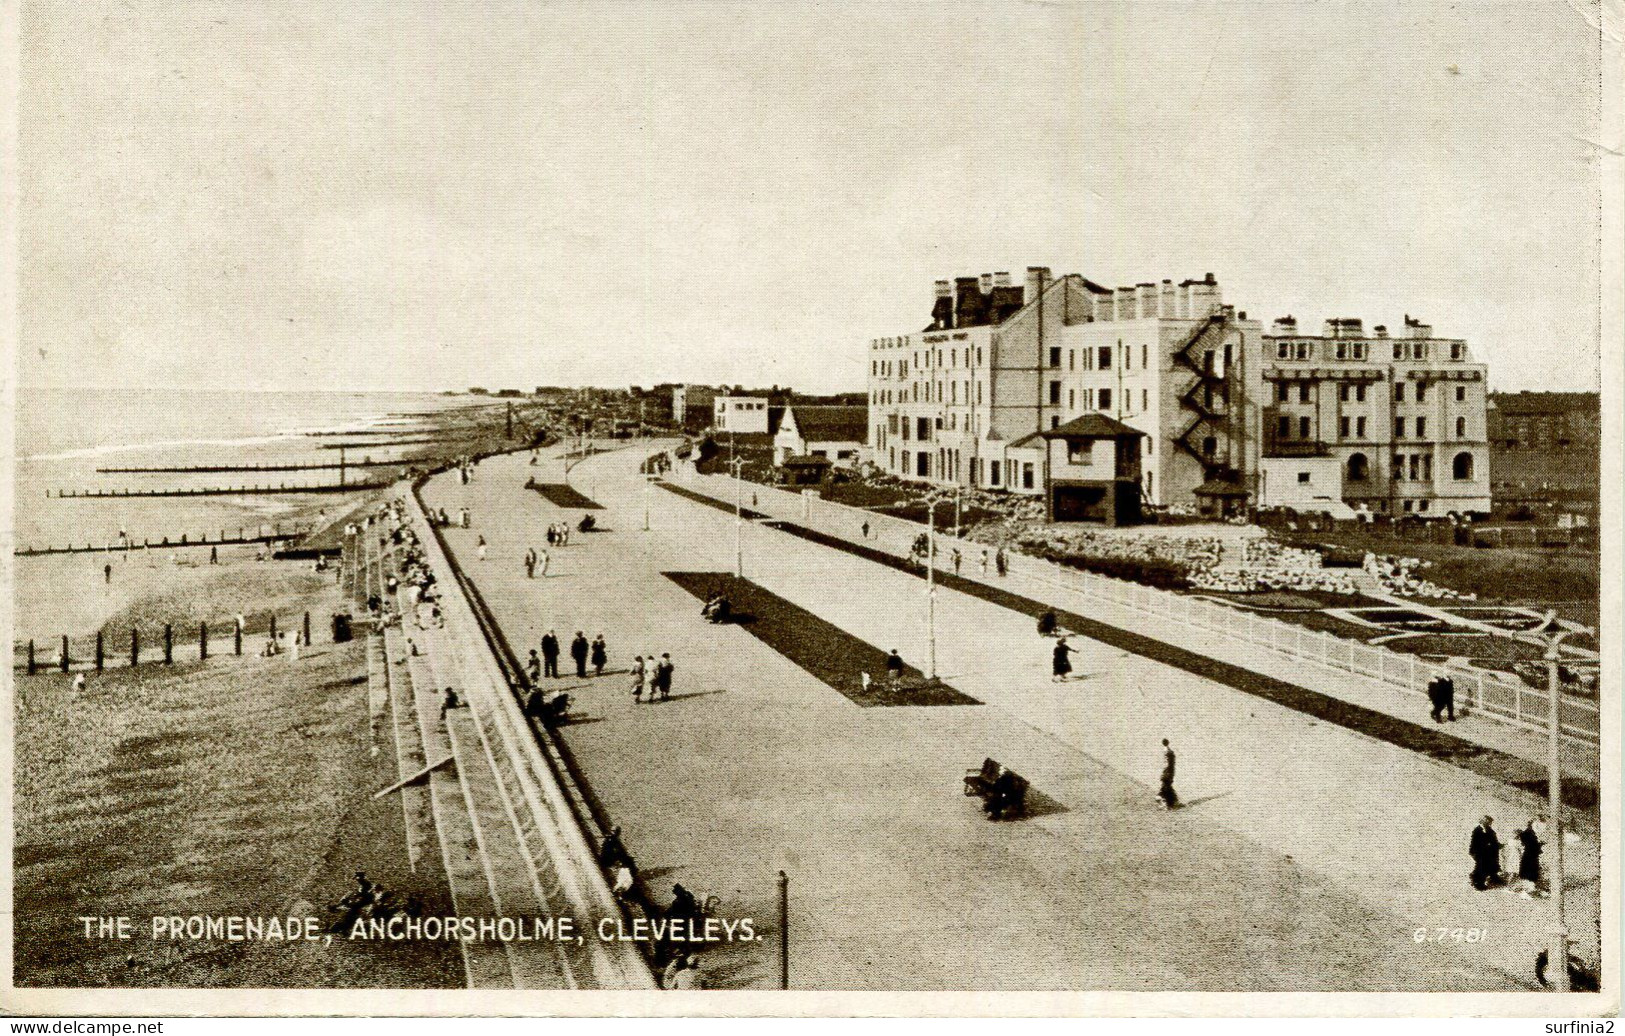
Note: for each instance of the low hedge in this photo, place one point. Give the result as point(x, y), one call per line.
point(1164, 575)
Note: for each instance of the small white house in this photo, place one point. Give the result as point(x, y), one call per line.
point(742, 415)
point(838, 434)
point(1304, 484)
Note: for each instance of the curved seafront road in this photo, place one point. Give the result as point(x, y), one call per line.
point(1306, 860)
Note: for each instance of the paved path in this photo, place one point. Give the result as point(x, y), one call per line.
point(898, 883)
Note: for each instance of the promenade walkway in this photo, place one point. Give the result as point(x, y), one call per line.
point(1307, 858)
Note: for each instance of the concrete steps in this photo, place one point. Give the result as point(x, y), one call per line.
point(420, 829)
point(485, 964)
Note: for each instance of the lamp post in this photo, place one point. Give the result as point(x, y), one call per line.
point(931, 588)
point(958, 509)
point(1558, 955)
point(647, 479)
point(739, 523)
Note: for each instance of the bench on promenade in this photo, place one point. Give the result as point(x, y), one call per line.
point(1002, 790)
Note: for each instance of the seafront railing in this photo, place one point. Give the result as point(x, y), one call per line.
point(1507, 699)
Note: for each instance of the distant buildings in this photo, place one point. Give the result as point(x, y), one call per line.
point(740, 415)
point(1545, 446)
point(1227, 414)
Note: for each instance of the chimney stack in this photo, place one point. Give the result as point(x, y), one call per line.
point(987, 284)
point(1036, 276)
point(1001, 280)
point(942, 310)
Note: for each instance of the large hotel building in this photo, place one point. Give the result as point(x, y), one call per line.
point(1335, 422)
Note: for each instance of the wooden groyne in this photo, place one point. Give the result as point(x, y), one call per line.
point(366, 431)
point(201, 469)
point(261, 534)
point(377, 445)
point(325, 487)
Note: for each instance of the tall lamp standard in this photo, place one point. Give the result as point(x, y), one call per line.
point(739, 522)
point(1551, 637)
point(931, 588)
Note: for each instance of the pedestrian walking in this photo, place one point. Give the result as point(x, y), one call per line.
point(465, 517)
point(638, 675)
point(550, 654)
point(600, 655)
point(1484, 846)
point(547, 559)
point(957, 559)
point(1531, 845)
point(984, 562)
point(480, 546)
point(578, 651)
point(1166, 796)
point(1061, 663)
point(662, 681)
point(552, 535)
point(533, 667)
point(107, 573)
point(866, 528)
point(214, 556)
point(1001, 562)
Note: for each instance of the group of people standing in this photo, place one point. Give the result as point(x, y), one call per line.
point(1485, 848)
point(656, 680)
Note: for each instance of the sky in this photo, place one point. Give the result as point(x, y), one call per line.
point(413, 195)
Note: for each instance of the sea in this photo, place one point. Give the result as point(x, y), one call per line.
point(64, 436)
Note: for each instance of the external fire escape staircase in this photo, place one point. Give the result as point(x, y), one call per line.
point(1207, 399)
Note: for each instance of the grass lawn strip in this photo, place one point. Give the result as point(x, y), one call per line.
point(826, 651)
point(568, 497)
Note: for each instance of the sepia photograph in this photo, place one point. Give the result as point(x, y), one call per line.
point(734, 509)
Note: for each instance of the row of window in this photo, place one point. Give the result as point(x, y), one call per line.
point(1355, 427)
point(1356, 392)
point(1410, 467)
point(1343, 350)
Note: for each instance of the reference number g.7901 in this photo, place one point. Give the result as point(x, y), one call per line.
point(1450, 934)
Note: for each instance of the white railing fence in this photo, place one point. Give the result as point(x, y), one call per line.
point(1505, 697)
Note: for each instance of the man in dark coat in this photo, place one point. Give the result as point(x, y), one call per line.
point(1485, 848)
point(894, 666)
point(550, 655)
point(1529, 861)
point(1165, 790)
point(578, 651)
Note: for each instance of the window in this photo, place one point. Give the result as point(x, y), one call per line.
point(1071, 359)
point(1303, 350)
point(1416, 467)
point(1026, 476)
point(1281, 391)
point(1421, 505)
point(1145, 399)
point(1303, 428)
point(1399, 350)
point(1421, 428)
point(1359, 468)
point(1105, 357)
point(1427, 467)
point(939, 424)
point(1303, 478)
point(1359, 393)
point(1342, 350)
point(1359, 350)
point(1421, 391)
point(1461, 428)
point(1088, 399)
point(1461, 469)
point(1149, 448)
point(1080, 454)
point(1399, 467)
point(992, 472)
point(1283, 350)
point(1105, 399)
point(1343, 392)
point(1055, 420)
point(1055, 356)
point(1283, 427)
point(1071, 399)
point(1055, 392)
point(1303, 392)
point(1343, 424)
point(1399, 392)
point(1399, 428)
point(1143, 364)
point(1408, 505)
point(1359, 428)
point(1210, 446)
point(1455, 350)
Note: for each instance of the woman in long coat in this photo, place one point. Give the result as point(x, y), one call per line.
point(600, 655)
point(1063, 662)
